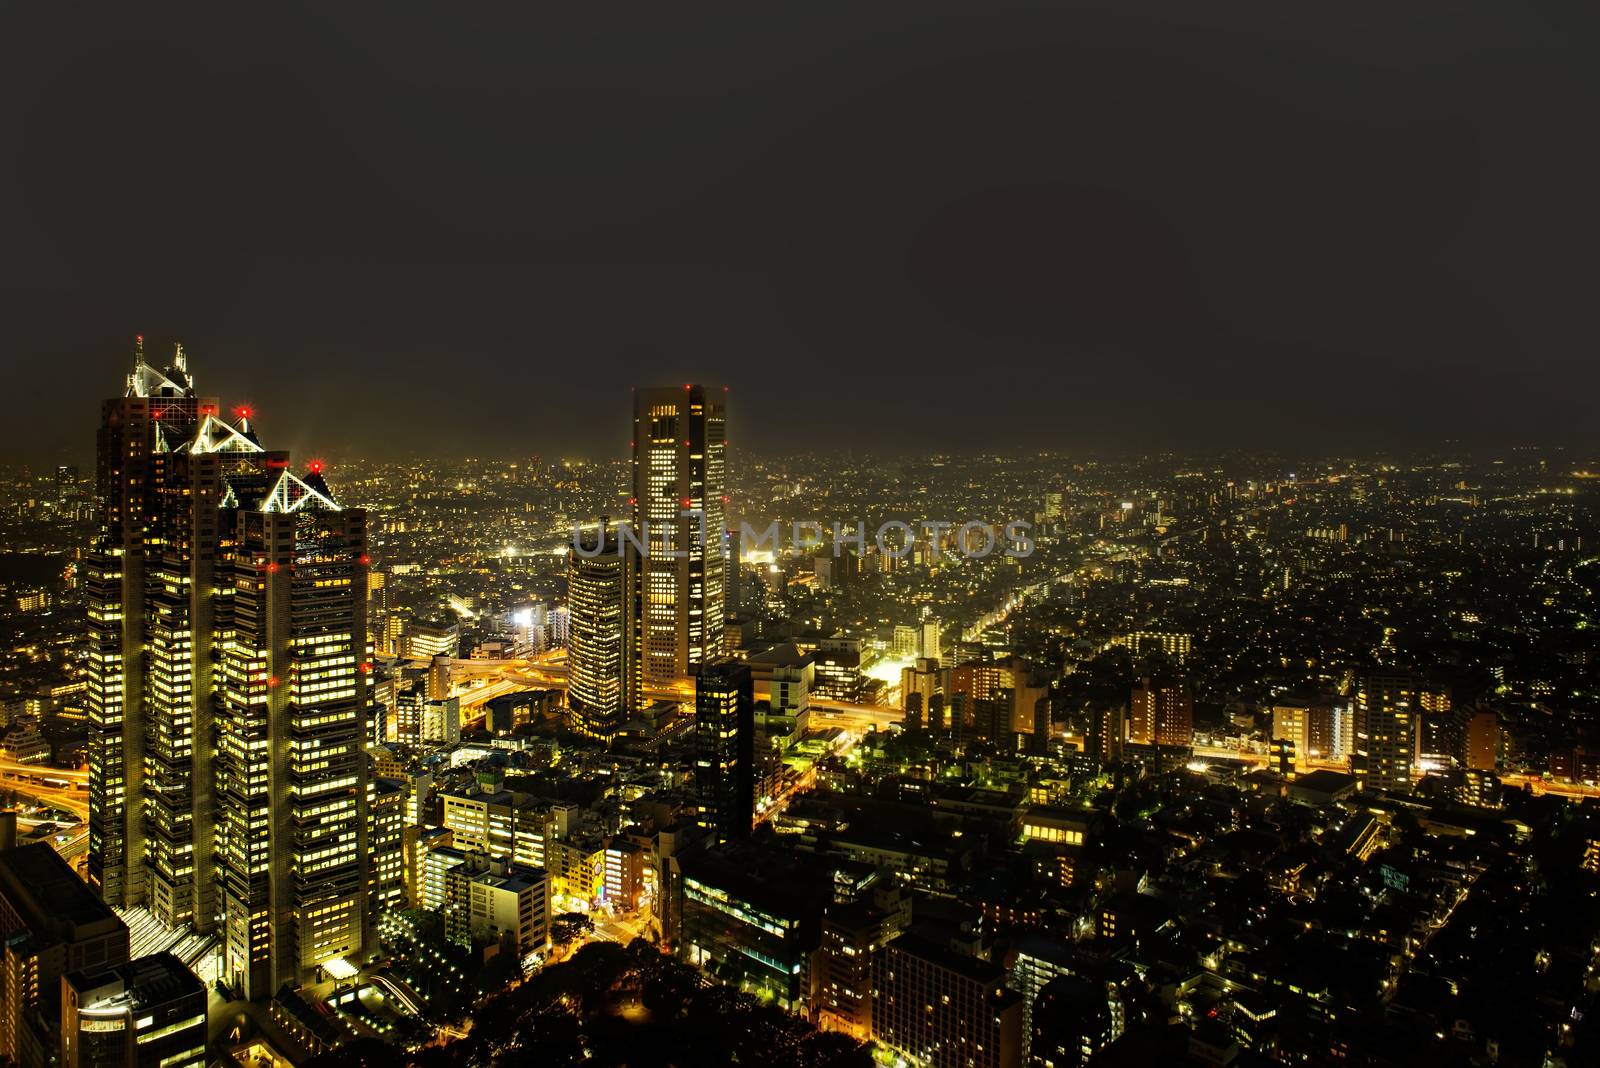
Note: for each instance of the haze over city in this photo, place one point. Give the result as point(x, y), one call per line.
point(1095, 226)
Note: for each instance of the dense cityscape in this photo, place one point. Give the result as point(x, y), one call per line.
point(789, 535)
point(689, 755)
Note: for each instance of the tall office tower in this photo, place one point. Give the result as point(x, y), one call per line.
point(680, 492)
point(150, 585)
point(1385, 731)
point(1161, 713)
point(291, 718)
point(600, 676)
point(724, 767)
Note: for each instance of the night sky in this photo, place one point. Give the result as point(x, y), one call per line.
point(1101, 224)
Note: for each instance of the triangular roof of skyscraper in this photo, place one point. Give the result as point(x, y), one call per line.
point(314, 480)
point(217, 435)
point(146, 381)
point(293, 494)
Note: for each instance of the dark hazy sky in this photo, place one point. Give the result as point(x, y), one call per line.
point(1077, 222)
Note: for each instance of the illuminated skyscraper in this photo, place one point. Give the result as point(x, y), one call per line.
point(291, 719)
point(724, 765)
point(600, 675)
point(227, 639)
point(1385, 729)
point(680, 492)
point(163, 456)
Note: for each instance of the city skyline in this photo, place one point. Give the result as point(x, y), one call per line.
point(1023, 535)
point(1577, 449)
point(407, 738)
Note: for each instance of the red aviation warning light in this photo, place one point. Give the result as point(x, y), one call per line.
point(272, 568)
point(365, 560)
point(315, 467)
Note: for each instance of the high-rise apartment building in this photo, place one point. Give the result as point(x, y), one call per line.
point(600, 674)
point(680, 445)
point(852, 934)
point(1108, 732)
point(1161, 713)
point(922, 694)
point(1385, 731)
point(724, 770)
point(939, 1008)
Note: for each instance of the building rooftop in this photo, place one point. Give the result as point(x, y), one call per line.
point(47, 895)
point(785, 882)
point(784, 654)
point(153, 980)
point(917, 944)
